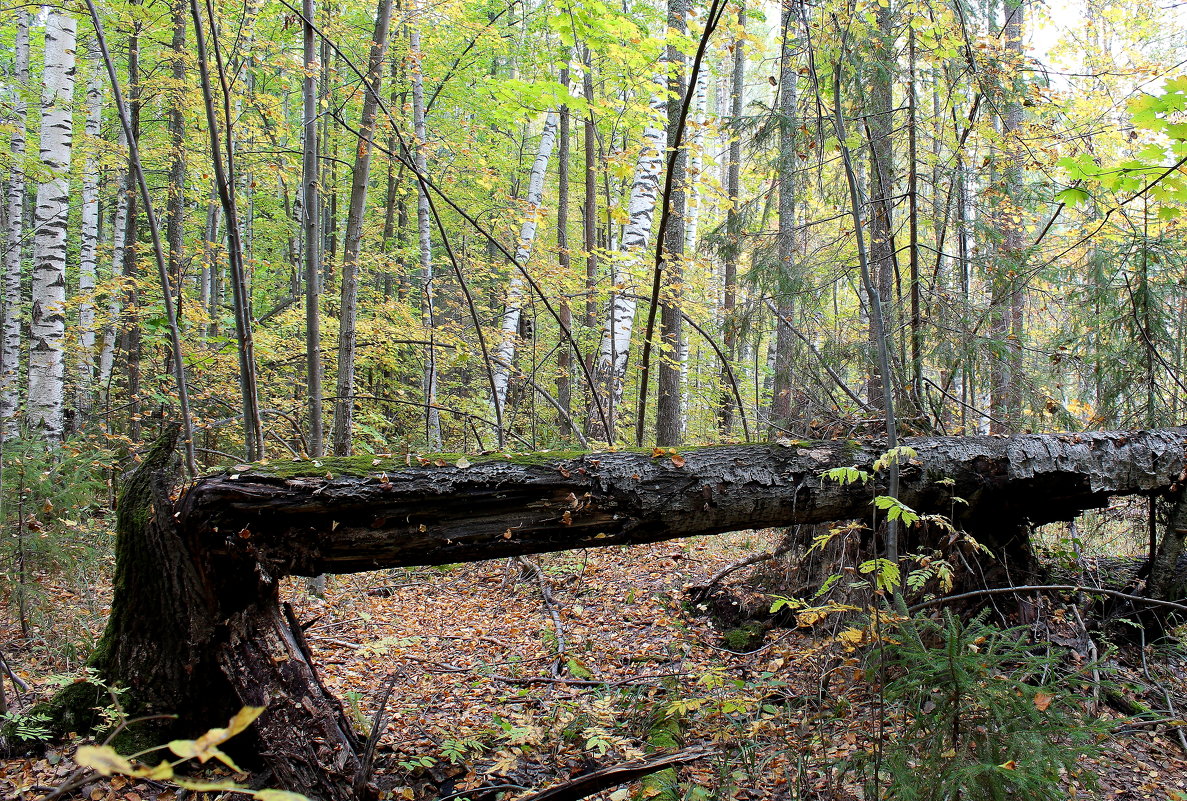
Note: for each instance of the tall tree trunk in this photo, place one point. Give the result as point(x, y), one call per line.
point(425, 241)
point(669, 413)
point(175, 209)
point(564, 355)
point(589, 220)
point(913, 217)
point(788, 279)
point(880, 126)
point(88, 255)
point(47, 322)
point(119, 243)
point(10, 345)
point(1008, 295)
point(311, 226)
point(504, 351)
point(130, 339)
point(610, 369)
point(223, 161)
point(360, 176)
point(733, 226)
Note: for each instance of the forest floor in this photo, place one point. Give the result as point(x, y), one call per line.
point(478, 697)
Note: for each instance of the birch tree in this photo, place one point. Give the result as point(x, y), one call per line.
point(424, 239)
point(10, 340)
point(504, 351)
point(47, 321)
point(610, 369)
point(88, 256)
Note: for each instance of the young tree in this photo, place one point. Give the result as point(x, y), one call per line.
point(504, 351)
point(360, 176)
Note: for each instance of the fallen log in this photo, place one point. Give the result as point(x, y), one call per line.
point(196, 627)
point(356, 514)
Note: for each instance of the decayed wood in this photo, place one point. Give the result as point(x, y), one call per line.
point(342, 516)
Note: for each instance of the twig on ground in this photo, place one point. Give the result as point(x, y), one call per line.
point(1048, 588)
point(549, 604)
point(598, 780)
point(367, 762)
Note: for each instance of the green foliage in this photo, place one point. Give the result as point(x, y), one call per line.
point(984, 714)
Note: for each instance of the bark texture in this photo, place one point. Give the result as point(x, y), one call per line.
point(378, 513)
point(47, 320)
point(10, 340)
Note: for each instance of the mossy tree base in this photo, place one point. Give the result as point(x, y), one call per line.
point(199, 634)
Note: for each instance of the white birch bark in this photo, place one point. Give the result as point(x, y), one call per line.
point(47, 321)
point(10, 341)
point(425, 240)
point(695, 165)
point(616, 337)
point(505, 348)
point(89, 250)
point(119, 235)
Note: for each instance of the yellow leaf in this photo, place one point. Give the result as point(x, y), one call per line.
point(206, 746)
point(1011, 765)
point(161, 772)
point(949, 754)
point(1042, 701)
point(205, 787)
point(102, 758)
point(278, 795)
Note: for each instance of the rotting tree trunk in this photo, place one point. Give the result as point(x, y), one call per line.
point(196, 626)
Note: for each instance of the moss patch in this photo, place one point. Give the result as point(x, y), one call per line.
point(746, 637)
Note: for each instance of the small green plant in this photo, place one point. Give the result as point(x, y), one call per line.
point(33, 726)
point(979, 713)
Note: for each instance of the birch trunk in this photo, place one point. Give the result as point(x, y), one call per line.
point(119, 241)
point(696, 151)
point(344, 404)
point(564, 356)
point(425, 241)
point(10, 346)
point(88, 256)
point(610, 370)
point(509, 331)
point(47, 328)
